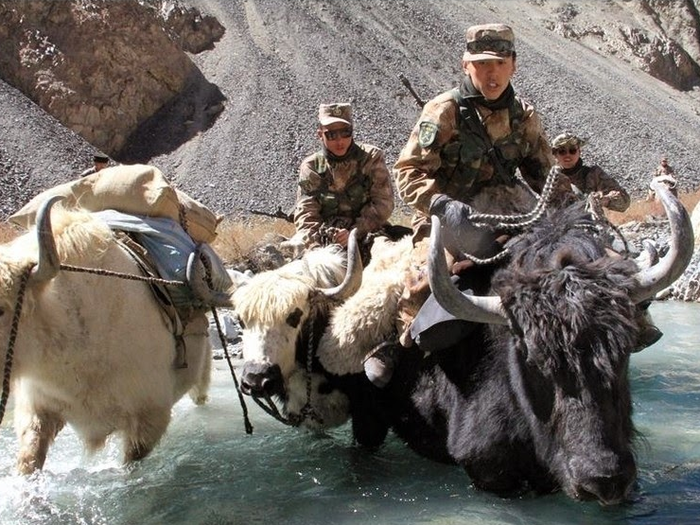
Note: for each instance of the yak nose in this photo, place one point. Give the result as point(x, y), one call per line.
point(260, 379)
point(608, 478)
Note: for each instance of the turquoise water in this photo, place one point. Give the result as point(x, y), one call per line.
point(208, 471)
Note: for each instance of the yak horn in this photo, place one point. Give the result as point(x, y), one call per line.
point(49, 263)
point(196, 279)
point(652, 280)
point(353, 275)
point(478, 309)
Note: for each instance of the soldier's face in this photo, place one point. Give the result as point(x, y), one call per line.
point(490, 77)
point(336, 137)
point(567, 156)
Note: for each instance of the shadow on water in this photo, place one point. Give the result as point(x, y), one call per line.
point(193, 111)
point(207, 471)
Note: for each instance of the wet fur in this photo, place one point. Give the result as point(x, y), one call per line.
point(101, 362)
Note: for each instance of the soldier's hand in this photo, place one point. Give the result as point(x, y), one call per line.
point(449, 211)
point(455, 219)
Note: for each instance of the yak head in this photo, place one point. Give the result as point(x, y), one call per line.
point(283, 312)
point(563, 312)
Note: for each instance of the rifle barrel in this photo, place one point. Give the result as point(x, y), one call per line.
point(412, 91)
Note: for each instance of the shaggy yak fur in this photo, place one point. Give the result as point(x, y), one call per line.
point(282, 312)
point(542, 404)
point(545, 403)
point(92, 351)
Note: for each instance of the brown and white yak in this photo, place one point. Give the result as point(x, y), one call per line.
point(91, 351)
point(287, 317)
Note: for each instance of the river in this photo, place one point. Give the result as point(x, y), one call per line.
point(207, 471)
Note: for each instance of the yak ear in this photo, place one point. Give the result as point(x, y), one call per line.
point(49, 263)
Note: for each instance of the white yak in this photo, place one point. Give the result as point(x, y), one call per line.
point(92, 351)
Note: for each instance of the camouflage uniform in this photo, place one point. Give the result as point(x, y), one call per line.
point(352, 192)
point(590, 179)
point(441, 156)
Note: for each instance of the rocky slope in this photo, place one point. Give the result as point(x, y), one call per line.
point(623, 73)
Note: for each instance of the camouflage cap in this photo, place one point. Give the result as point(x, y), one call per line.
point(100, 157)
point(331, 113)
point(567, 139)
point(489, 42)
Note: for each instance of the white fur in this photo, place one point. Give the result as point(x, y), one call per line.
point(268, 299)
point(92, 351)
point(368, 317)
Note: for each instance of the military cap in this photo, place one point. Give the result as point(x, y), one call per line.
point(489, 42)
point(100, 157)
point(567, 139)
point(331, 113)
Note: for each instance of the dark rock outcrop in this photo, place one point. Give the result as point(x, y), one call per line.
point(101, 68)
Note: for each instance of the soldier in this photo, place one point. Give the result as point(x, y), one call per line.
point(462, 155)
point(664, 173)
point(664, 168)
point(588, 179)
point(100, 161)
point(346, 185)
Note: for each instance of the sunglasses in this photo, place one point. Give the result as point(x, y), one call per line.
point(503, 47)
point(564, 151)
point(344, 133)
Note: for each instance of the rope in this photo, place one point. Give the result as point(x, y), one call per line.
point(522, 221)
point(271, 410)
point(11, 342)
point(308, 410)
point(127, 276)
point(244, 407)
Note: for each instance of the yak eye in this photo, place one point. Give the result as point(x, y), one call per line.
point(294, 318)
point(241, 323)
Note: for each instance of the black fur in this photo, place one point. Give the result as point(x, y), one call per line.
point(546, 405)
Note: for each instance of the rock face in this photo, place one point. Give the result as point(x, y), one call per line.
point(237, 131)
point(660, 37)
point(101, 68)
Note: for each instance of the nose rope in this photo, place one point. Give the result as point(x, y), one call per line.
point(246, 420)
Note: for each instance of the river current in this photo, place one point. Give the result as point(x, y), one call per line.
point(208, 471)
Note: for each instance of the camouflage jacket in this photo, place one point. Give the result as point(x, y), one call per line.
point(354, 192)
point(442, 156)
point(589, 179)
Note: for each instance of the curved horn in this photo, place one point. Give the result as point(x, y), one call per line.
point(657, 277)
point(353, 275)
point(478, 309)
point(196, 280)
point(49, 263)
